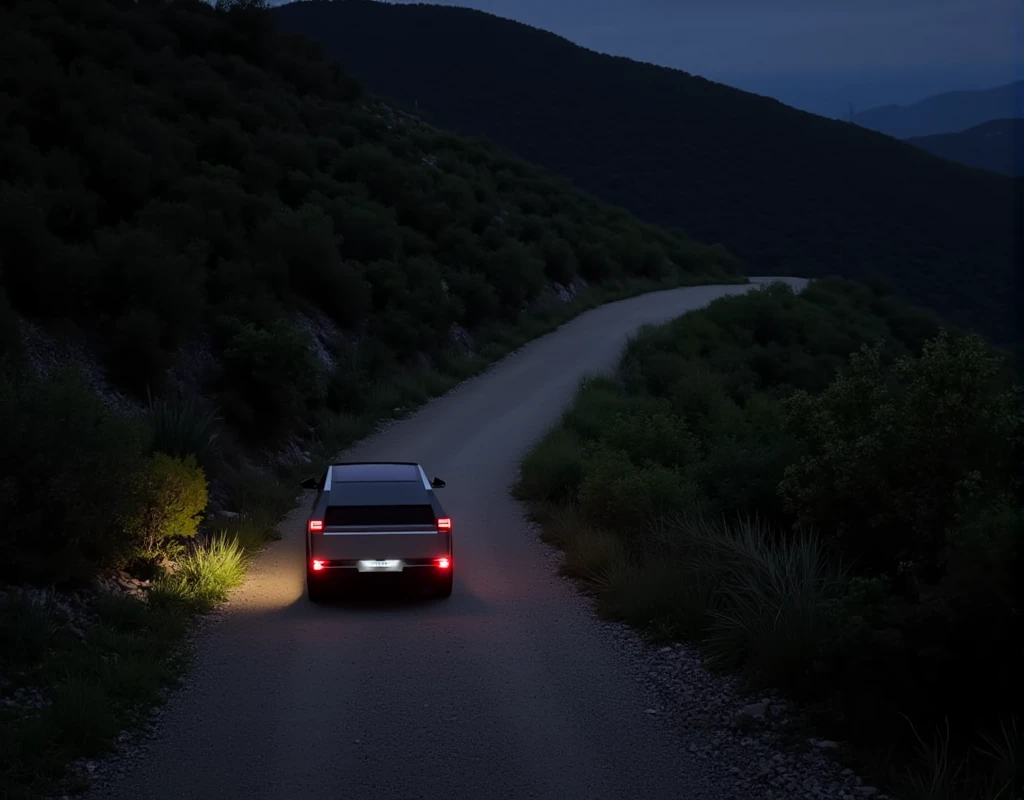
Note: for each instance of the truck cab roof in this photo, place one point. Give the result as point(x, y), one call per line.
point(375, 472)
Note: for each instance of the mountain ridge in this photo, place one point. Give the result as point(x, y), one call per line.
point(996, 146)
point(948, 112)
point(785, 190)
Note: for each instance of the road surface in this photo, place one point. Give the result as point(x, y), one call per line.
point(508, 689)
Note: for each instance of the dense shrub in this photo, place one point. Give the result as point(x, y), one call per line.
point(304, 242)
point(174, 496)
point(893, 458)
point(553, 470)
point(826, 490)
point(67, 471)
point(250, 179)
point(270, 376)
point(626, 497)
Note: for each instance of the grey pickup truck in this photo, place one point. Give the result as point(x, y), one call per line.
point(372, 517)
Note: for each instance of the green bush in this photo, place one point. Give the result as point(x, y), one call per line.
point(479, 298)
point(559, 260)
point(269, 376)
point(68, 466)
point(617, 493)
point(516, 275)
point(174, 496)
point(252, 179)
point(658, 438)
point(883, 571)
point(304, 241)
point(552, 470)
point(597, 401)
point(595, 262)
point(895, 456)
point(369, 234)
point(141, 271)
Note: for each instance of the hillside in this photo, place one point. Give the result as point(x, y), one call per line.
point(786, 191)
point(222, 262)
point(949, 112)
point(997, 146)
point(192, 177)
point(193, 205)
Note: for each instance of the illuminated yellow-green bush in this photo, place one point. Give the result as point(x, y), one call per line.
point(174, 496)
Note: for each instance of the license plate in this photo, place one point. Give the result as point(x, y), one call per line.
point(392, 565)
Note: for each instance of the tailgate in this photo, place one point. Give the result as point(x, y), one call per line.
point(343, 544)
point(380, 533)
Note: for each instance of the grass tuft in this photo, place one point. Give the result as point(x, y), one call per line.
point(183, 424)
point(205, 574)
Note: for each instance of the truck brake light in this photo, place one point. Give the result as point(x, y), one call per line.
point(444, 524)
point(316, 525)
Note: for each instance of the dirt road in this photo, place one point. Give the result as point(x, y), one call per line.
point(508, 689)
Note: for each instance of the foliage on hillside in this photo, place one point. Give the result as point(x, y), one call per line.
point(176, 173)
point(171, 170)
point(788, 192)
point(880, 456)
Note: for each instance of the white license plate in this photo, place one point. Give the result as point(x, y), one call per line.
point(380, 566)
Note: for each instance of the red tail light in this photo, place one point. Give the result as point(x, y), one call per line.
point(444, 524)
point(316, 525)
point(444, 563)
point(317, 565)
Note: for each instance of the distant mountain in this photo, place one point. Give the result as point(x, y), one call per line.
point(997, 146)
point(788, 192)
point(950, 112)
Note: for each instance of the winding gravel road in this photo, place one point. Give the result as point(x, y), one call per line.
point(509, 689)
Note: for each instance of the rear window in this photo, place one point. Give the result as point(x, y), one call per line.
point(379, 515)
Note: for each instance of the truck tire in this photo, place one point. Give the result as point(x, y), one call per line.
point(315, 588)
point(443, 586)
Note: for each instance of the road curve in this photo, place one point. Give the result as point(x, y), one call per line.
point(508, 689)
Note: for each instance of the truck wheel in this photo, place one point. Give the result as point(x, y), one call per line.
point(443, 586)
point(315, 588)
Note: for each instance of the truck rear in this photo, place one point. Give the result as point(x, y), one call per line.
point(359, 527)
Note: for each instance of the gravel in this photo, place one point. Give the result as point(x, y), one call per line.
point(752, 733)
